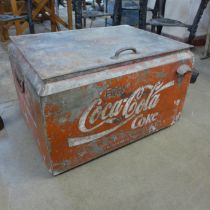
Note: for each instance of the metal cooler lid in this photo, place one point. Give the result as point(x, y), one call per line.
point(56, 55)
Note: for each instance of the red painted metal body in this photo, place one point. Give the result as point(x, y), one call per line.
point(81, 116)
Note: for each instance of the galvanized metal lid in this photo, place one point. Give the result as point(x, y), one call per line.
point(56, 55)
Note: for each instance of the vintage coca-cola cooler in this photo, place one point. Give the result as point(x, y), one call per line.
point(85, 93)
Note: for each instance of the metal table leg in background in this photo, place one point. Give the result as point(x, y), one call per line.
point(30, 20)
point(161, 8)
point(106, 10)
point(117, 12)
point(143, 14)
point(196, 21)
point(78, 14)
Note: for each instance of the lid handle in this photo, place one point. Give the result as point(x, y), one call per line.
point(118, 52)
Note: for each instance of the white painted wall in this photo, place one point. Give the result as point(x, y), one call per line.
point(184, 10)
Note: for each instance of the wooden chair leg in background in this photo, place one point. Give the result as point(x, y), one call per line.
point(54, 26)
point(4, 34)
point(69, 12)
point(16, 12)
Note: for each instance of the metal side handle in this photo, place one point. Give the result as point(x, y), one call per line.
point(184, 69)
point(20, 83)
point(118, 52)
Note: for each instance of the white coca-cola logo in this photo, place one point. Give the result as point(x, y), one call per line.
point(120, 113)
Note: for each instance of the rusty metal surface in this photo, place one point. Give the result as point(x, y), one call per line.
point(57, 54)
point(77, 119)
point(30, 102)
point(93, 119)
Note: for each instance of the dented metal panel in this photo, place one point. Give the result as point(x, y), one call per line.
point(81, 117)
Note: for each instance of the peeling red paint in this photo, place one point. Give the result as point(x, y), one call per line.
point(79, 118)
point(59, 133)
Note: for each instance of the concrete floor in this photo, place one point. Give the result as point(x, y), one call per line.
point(169, 170)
